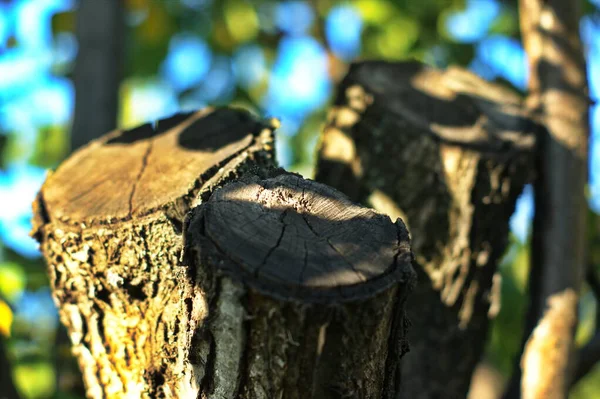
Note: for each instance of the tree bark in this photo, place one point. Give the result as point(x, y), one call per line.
point(98, 68)
point(558, 97)
point(305, 292)
point(109, 221)
point(449, 153)
point(285, 288)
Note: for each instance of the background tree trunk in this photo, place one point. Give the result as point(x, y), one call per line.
point(109, 222)
point(98, 68)
point(558, 97)
point(449, 153)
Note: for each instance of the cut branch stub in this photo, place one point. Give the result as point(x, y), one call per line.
point(449, 153)
point(109, 222)
point(314, 288)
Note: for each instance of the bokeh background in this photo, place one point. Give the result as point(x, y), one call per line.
point(279, 59)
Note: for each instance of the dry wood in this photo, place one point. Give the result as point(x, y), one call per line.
point(305, 292)
point(109, 222)
point(449, 153)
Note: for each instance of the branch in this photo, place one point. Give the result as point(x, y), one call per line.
point(558, 89)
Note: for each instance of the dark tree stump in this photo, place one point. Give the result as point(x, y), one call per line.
point(109, 221)
point(449, 153)
point(303, 292)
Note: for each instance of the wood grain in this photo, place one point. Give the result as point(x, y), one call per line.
point(295, 238)
point(132, 173)
point(307, 291)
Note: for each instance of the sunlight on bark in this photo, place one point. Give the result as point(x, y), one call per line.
point(545, 360)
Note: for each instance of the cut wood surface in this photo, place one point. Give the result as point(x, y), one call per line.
point(449, 153)
point(133, 173)
point(109, 222)
point(296, 239)
point(305, 292)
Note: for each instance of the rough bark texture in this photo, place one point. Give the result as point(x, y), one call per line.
point(109, 221)
point(305, 292)
point(449, 153)
point(98, 68)
point(558, 96)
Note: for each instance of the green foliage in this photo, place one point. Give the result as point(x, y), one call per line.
point(506, 23)
point(51, 147)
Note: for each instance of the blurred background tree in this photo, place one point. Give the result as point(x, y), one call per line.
point(279, 59)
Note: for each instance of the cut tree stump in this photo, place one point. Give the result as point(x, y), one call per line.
point(285, 289)
point(305, 292)
point(448, 153)
point(109, 221)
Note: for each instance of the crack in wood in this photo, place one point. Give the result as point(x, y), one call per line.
point(327, 239)
point(271, 250)
point(139, 176)
point(305, 265)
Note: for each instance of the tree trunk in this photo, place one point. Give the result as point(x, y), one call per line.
point(98, 68)
point(109, 222)
point(449, 153)
point(558, 96)
point(305, 292)
point(286, 288)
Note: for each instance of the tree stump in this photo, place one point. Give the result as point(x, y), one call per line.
point(305, 292)
point(285, 289)
point(109, 221)
point(449, 153)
